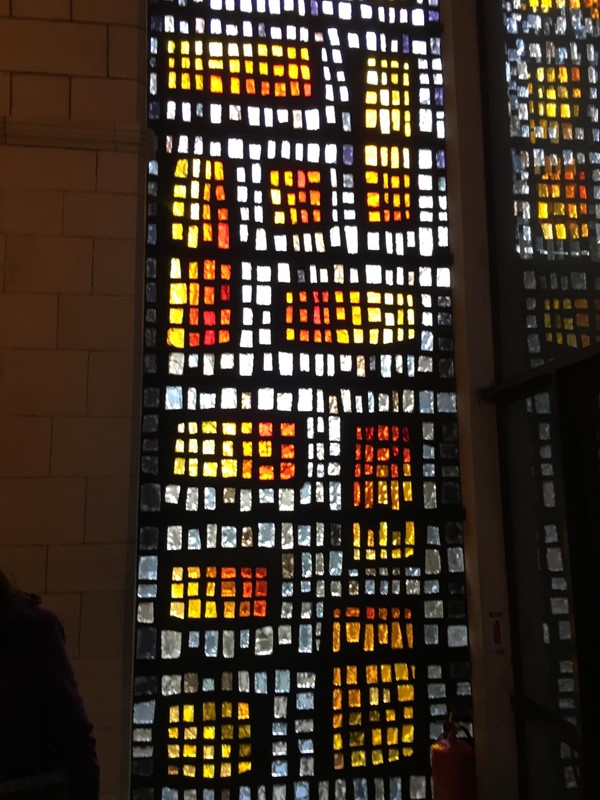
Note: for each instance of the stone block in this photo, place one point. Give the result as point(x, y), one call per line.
point(28, 320)
point(42, 9)
point(110, 509)
point(96, 322)
point(42, 510)
point(53, 264)
point(110, 743)
point(117, 262)
point(125, 13)
point(54, 48)
point(4, 91)
point(126, 50)
point(107, 101)
point(24, 447)
point(110, 386)
point(47, 168)
point(42, 383)
point(67, 607)
point(26, 567)
point(102, 687)
point(87, 568)
point(121, 173)
point(30, 210)
point(109, 215)
point(91, 446)
point(102, 624)
point(36, 97)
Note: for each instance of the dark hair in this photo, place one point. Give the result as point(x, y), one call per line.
point(7, 591)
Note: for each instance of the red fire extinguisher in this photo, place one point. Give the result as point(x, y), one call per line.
point(453, 764)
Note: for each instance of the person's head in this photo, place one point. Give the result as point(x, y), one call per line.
point(7, 590)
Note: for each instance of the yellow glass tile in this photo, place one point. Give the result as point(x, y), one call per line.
point(355, 718)
point(181, 168)
point(337, 699)
point(192, 237)
point(208, 731)
point(353, 631)
point(176, 337)
point(210, 609)
point(336, 637)
point(180, 466)
point(177, 610)
point(265, 449)
point(354, 698)
point(406, 692)
point(408, 733)
point(210, 469)
point(229, 610)
point(371, 117)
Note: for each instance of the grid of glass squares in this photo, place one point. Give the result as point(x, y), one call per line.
point(301, 612)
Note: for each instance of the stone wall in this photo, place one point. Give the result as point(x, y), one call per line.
point(73, 153)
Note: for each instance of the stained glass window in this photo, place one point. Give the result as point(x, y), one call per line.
point(553, 136)
point(552, 61)
point(552, 68)
point(301, 609)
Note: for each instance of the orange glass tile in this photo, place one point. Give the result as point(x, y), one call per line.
point(210, 592)
point(374, 317)
point(224, 450)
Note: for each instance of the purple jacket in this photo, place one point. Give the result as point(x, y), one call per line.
point(43, 724)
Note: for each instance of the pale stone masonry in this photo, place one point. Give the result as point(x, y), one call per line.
point(73, 154)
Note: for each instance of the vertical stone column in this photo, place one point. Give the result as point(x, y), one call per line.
point(73, 154)
point(487, 590)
